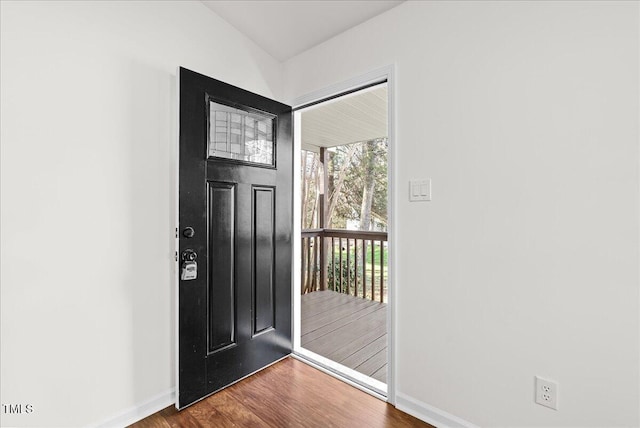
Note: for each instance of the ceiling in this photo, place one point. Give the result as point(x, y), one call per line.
point(356, 117)
point(285, 28)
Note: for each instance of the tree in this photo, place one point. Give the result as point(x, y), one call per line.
point(357, 187)
point(339, 181)
point(310, 189)
point(368, 184)
point(364, 196)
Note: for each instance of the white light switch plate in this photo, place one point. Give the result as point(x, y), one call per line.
point(420, 190)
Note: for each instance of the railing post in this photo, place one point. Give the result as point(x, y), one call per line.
point(381, 271)
point(302, 268)
point(364, 268)
point(323, 214)
point(348, 265)
point(373, 270)
point(323, 262)
point(308, 280)
point(355, 266)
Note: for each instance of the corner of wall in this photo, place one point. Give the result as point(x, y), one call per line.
point(430, 414)
point(140, 411)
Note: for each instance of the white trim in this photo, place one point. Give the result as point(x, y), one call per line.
point(296, 263)
point(379, 389)
point(176, 278)
point(392, 283)
point(139, 412)
point(432, 415)
point(638, 195)
point(324, 365)
point(376, 76)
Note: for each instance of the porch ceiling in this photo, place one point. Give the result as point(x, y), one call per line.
point(360, 116)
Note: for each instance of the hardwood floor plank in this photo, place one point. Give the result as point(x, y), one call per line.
point(351, 402)
point(278, 389)
point(289, 393)
point(177, 419)
point(341, 404)
point(236, 412)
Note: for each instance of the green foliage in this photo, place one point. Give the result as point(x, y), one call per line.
point(376, 257)
point(349, 202)
point(349, 274)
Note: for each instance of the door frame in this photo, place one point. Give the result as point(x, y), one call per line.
point(384, 74)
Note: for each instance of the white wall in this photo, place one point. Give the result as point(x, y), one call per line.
point(525, 116)
point(87, 134)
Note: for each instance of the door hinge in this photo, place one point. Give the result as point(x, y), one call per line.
point(176, 256)
point(176, 232)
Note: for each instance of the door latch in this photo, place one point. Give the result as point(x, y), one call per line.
point(189, 265)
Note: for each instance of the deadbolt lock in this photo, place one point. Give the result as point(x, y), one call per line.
point(188, 232)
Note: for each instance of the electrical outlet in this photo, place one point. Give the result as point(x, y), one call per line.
point(547, 393)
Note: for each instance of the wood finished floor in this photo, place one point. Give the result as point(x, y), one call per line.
point(346, 329)
point(287, 394)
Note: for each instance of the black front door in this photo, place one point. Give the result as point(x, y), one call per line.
point(235, 226)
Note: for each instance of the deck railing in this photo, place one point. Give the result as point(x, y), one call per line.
point(346, 261)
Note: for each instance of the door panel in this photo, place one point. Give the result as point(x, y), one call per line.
point(264, 245)
point(222, 297)
point(236, 194)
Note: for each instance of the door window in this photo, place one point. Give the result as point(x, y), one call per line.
point(241, 135)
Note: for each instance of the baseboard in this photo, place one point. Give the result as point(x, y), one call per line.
point(429, 414)
point(139, 412)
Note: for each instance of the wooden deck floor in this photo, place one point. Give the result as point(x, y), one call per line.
point(349, 330)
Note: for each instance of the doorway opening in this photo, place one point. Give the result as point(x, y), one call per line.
point(342, 291)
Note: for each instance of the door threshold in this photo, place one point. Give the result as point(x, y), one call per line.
point(362, 382)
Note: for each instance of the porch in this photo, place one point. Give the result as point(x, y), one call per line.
point(349, 330)
point(343, 302)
